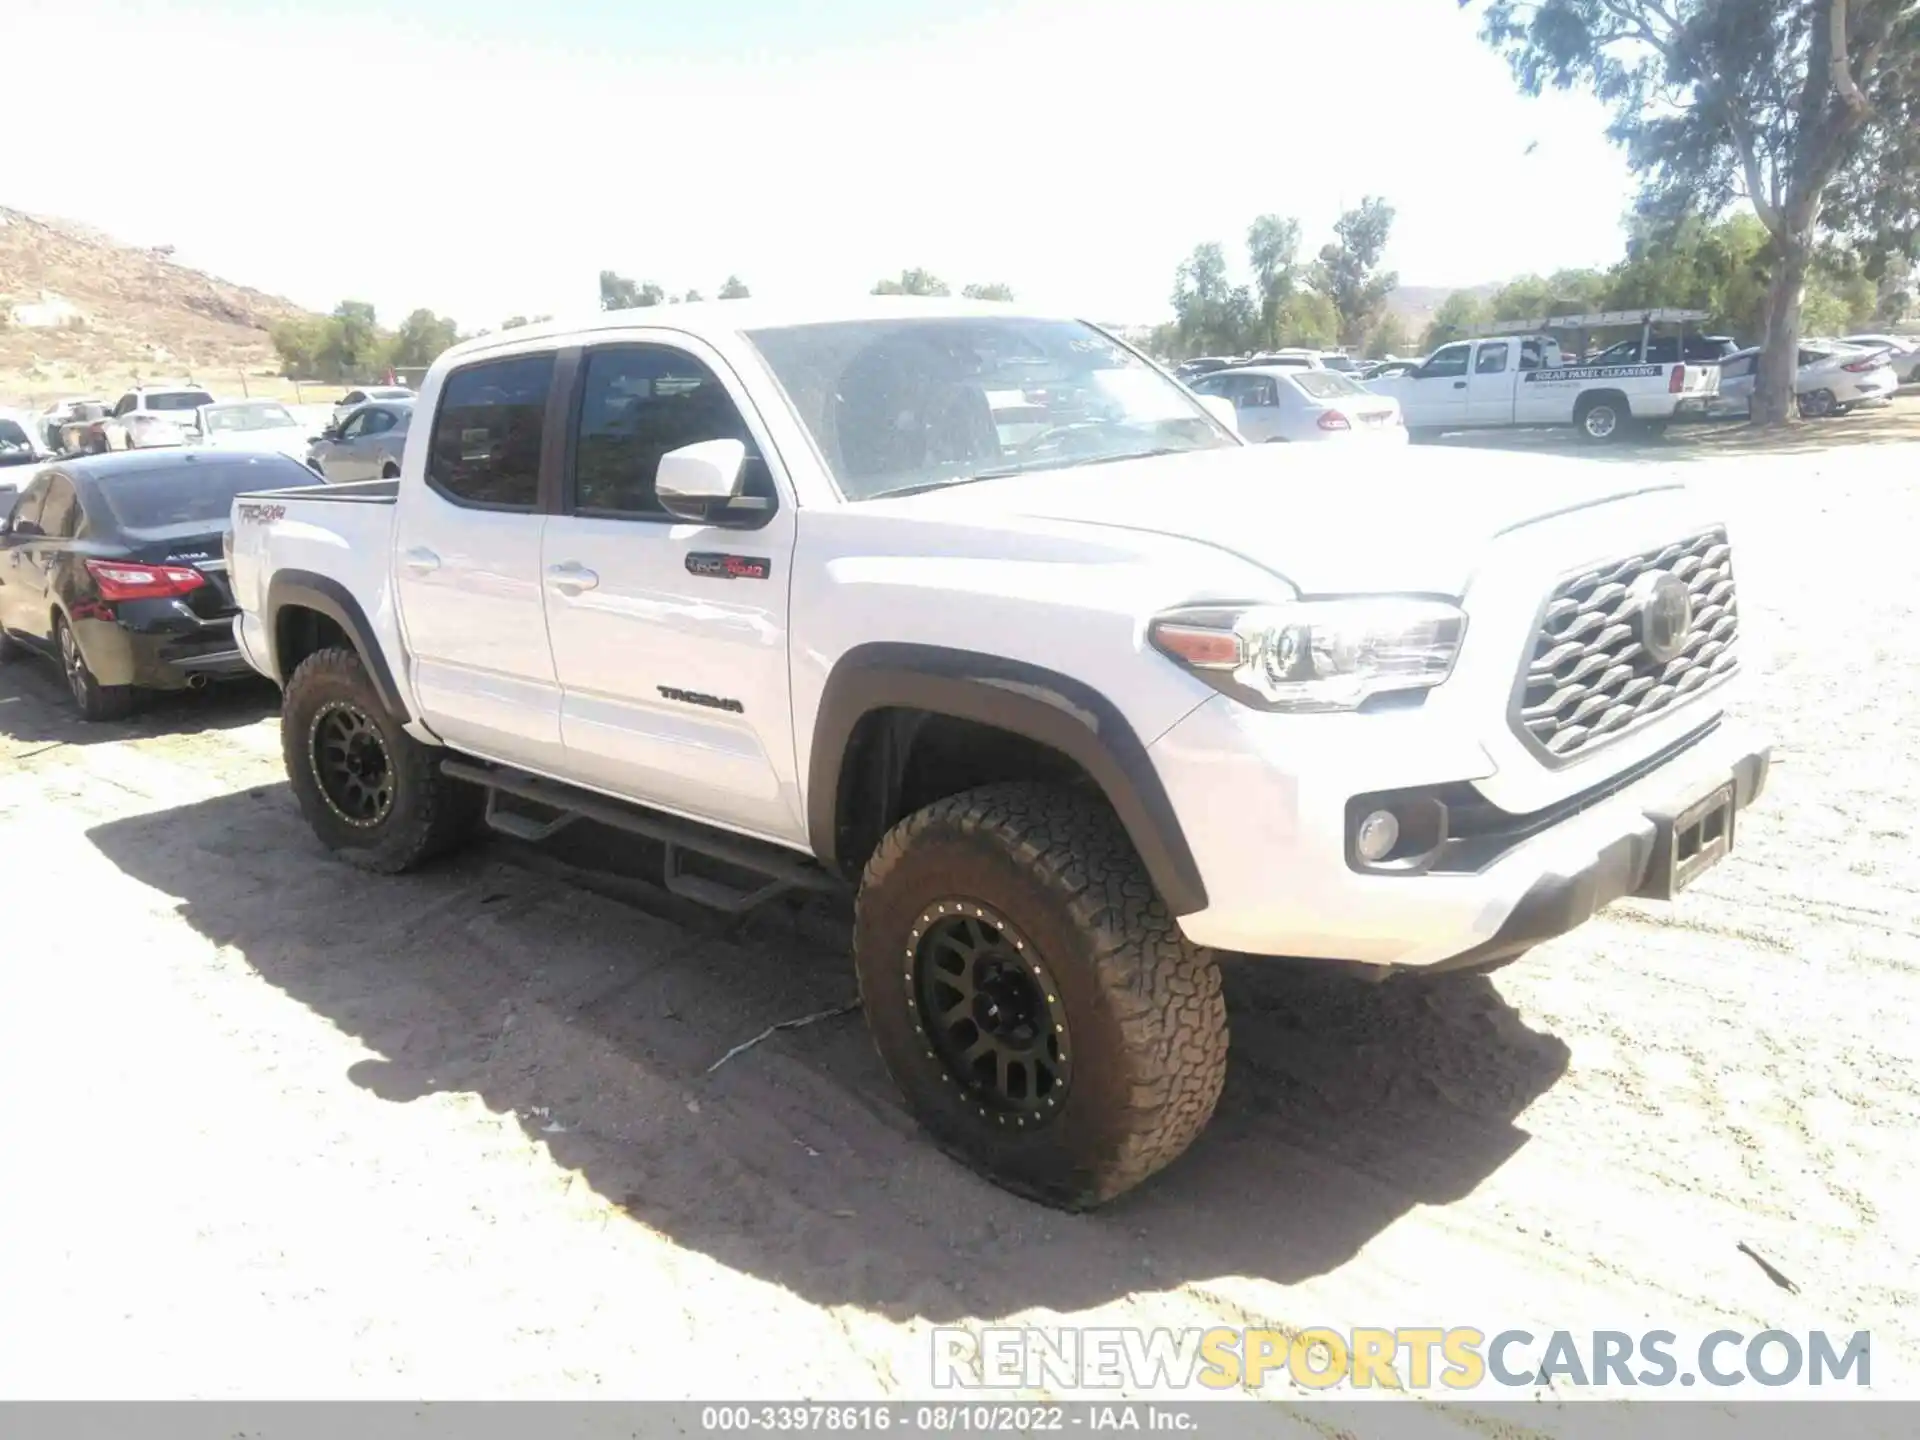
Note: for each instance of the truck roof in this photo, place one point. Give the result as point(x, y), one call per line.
point(707, 318)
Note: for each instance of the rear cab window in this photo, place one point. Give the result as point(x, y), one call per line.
point(488, 430)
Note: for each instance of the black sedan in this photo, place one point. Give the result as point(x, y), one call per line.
point(115, 566)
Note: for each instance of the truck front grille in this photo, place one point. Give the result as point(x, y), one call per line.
point(1590, 678)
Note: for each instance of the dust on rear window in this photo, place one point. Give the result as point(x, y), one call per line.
point(195, 491)
point(1325, 384)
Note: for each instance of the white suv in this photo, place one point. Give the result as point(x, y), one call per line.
point(159, 416)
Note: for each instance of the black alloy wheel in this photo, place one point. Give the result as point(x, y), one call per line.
point(351, 765)
point(990, 1010)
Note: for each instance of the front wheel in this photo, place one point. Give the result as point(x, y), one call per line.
point(1033, 998)
point(372, 793)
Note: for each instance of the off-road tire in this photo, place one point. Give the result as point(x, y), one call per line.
point(96, 703)
point(428, 814)
point(1141, 1004)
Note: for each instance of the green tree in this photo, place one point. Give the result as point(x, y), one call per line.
point(617, 292)
point(1273, 245)
point(1788, 104)
point(1348, 270)
point(913, 282)
point(996, 290)
point(299, 343)
point(1389, 337)
point(734, 289)
point(353, 343)
point(1458, 313)
point(421, 337)
point(1213, 315)
point(1307, 318)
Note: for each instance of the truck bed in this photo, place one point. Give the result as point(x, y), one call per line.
point(340, 533)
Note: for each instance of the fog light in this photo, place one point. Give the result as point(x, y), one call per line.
point(1376, 836)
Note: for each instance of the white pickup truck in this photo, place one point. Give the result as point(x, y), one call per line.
point(1071, 705)
point(1521, 380)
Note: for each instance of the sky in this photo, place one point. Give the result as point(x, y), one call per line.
point(485, 158)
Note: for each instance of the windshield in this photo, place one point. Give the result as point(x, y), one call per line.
point(262, 416)
point(196, 491)
point(177, 400)
point(1325, 384)
point(900, 405)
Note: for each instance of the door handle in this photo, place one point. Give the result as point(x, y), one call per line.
point(570, 577)
point(421, 561)
point(1459, 384)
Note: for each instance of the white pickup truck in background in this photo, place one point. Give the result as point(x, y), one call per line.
point(1068, 694)
point(1523, 380)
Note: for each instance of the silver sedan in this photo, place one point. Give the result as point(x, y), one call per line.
point(365, 445)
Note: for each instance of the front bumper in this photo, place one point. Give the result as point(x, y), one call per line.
point(1275, 861)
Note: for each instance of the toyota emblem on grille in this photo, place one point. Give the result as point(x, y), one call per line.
point(1663, 614)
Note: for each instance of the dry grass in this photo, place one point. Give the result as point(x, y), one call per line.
point(81, 313)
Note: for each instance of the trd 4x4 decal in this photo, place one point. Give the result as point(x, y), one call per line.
point(714, 566)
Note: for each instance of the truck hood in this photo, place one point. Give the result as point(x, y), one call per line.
point(1326, 520)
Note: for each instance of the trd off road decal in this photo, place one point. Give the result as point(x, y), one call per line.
point(712, 565)
point(1558, 373)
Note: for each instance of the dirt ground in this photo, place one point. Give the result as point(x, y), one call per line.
point(274, 1127)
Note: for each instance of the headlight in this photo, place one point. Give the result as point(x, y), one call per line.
point(1311, 655)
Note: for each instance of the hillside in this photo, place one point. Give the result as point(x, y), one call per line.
point(1416, 304)
point(80, 312)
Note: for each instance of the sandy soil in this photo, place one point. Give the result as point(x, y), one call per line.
point(277, 1128)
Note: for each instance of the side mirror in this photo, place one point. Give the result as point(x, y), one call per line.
point(702, 483)
point(1222, 409)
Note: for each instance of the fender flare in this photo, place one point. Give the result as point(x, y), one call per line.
point(326, 596)
point(1052, 709)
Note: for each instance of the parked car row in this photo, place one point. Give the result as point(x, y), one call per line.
point(1641, 383)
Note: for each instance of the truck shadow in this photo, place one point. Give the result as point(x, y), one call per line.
point(35, 709)
point(591, 1008)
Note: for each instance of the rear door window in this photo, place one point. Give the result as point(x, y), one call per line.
point(1492, 359)
point(488, 431)
point(60, 514)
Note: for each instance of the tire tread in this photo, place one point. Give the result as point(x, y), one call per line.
point(1164, 989)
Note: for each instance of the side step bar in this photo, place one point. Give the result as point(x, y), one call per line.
point(780, 870)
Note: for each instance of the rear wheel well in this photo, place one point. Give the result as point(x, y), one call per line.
point(1594, 397)
point(900, 760)
point(299, 632)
